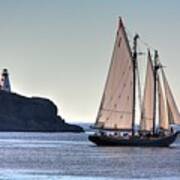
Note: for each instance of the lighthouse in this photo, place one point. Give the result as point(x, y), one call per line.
point(5, 83)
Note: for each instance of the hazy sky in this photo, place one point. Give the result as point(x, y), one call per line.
point(61, 49)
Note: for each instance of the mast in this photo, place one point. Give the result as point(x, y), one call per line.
point(156, 67)
point(134, 81)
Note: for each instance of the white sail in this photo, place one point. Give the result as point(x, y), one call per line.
point(163, 115)
point(148, 100)
point(173, 112)
point(116, 106)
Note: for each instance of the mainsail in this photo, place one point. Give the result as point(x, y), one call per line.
point(173, 112)
point(115, 111)
point(163, 115)
point(148, 101)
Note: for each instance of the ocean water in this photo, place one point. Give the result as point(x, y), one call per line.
point(68, 156)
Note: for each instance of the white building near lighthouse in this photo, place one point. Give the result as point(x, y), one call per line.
point(4, 81)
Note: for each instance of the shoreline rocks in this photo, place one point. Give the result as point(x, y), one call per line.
point(23, 114)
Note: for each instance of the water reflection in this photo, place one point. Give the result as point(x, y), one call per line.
point(72, 156)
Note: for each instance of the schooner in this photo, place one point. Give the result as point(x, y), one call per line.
point(117, 112)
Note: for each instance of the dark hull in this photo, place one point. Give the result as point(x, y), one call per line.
point(103, 140)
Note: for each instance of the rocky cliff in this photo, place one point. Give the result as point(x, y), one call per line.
point(20, 113)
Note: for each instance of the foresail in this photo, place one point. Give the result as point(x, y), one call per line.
point(163, 115)
point(116, 106)
point(173, 112)
point(148, 100)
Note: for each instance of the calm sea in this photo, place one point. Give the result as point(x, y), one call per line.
point(68, 156)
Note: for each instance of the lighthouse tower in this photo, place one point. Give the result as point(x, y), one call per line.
point(5, 83)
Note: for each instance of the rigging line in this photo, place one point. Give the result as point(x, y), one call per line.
point(116, 111)
point(147, 118)
point(147, 45)
point(130, 34)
